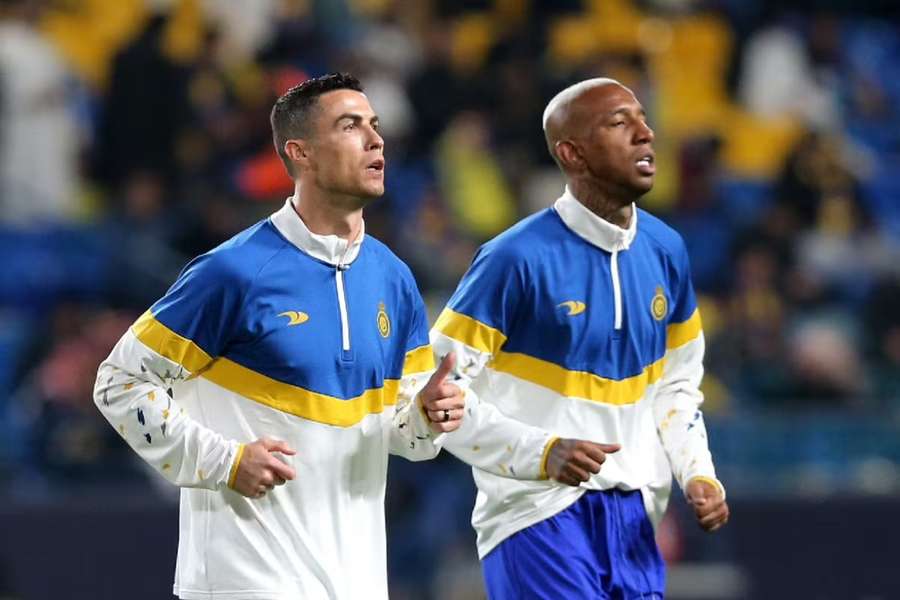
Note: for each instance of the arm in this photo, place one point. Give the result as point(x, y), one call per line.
point(676, 407)
point(414, 433)
point(683, 433)
point(175, 340)
point(473, 328)
point(498, 444)
point(411, 435)
point(134, 393)
point(487, 439)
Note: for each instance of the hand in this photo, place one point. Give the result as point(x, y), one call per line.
point(260, 471)
point(708, 503)
point(573, 461)
point(443, 402)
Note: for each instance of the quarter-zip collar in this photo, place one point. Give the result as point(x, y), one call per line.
point(597, 231)
point(331, 249)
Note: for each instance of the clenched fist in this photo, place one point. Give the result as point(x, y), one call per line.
point(574, 461)
point(708, 503)
point(260, 471)
point(443, 402)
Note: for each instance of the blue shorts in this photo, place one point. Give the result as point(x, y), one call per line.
point(601, 547)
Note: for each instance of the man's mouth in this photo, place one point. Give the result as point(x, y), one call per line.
point(646, 164)
point(376, 166)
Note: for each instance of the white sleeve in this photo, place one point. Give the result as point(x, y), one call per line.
point(411, 436)
point(487, 439)
point(134, 392)
point(679, 421)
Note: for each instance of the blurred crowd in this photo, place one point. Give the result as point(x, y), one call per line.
point(134, 135)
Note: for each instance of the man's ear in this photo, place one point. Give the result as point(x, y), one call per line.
point(569, 155)
point(299, 151)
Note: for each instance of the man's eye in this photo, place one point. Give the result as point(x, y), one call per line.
point(618, 123)
point(349, 126)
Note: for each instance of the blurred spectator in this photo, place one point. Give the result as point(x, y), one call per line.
point(778, 80)
point(70, 443)
point(39, 143)
point(435, 90)
point(825, 364)
point(144, 109)
point(143, 232)
point(471, 180)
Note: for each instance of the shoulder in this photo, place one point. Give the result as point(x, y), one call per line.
point(523, 241)
point(388, 262)
point(239, 259)
point(661, 235)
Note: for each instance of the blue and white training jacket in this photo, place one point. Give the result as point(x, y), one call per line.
point(298, 337)
point(569, 323)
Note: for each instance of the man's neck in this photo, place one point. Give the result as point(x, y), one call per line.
point(616, 211)
point(324, 217)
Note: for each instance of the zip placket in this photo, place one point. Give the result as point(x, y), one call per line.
point(339, 269)
point(342, 306)
point(617, 289)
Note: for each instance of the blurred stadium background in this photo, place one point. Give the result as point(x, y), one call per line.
point(134, 135)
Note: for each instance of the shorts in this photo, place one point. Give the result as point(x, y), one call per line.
point(600, 547)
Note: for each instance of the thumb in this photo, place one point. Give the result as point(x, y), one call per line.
point(445, 368)
point(698, 493)
point(277, 446)
point(610, 448)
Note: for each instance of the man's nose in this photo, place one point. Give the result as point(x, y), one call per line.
point(643, 133)
point(375, 141)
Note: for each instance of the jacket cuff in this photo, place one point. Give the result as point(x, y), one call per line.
point(546, 455)
point(710, 480)
point(235, 464)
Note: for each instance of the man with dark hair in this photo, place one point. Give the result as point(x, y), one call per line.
point(309, 337)
point(582, 319)
point(293, 112)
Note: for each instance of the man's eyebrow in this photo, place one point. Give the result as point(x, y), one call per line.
point(356, 118)
point(622, 110)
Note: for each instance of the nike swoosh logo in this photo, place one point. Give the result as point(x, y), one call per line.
point(296, 317)
point(575, 307)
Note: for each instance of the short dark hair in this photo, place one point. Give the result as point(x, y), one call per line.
point(292, 115)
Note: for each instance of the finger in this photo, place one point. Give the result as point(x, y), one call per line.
point(594, 451)
point(706, 505)
point(445, 415)
point(445, 368)
point(279, 480)
point(610, 448)
point(576, 472)
point(587, 463)
point(698, 499)
point(446, 403)
point(279, 469)
point(277, 446)
point(713, 517)
point(266, 479)
point(445, 421)
point(713, 524)
point(720, 522)
point(446, 427)
point(567, 479)
point(448, 390)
